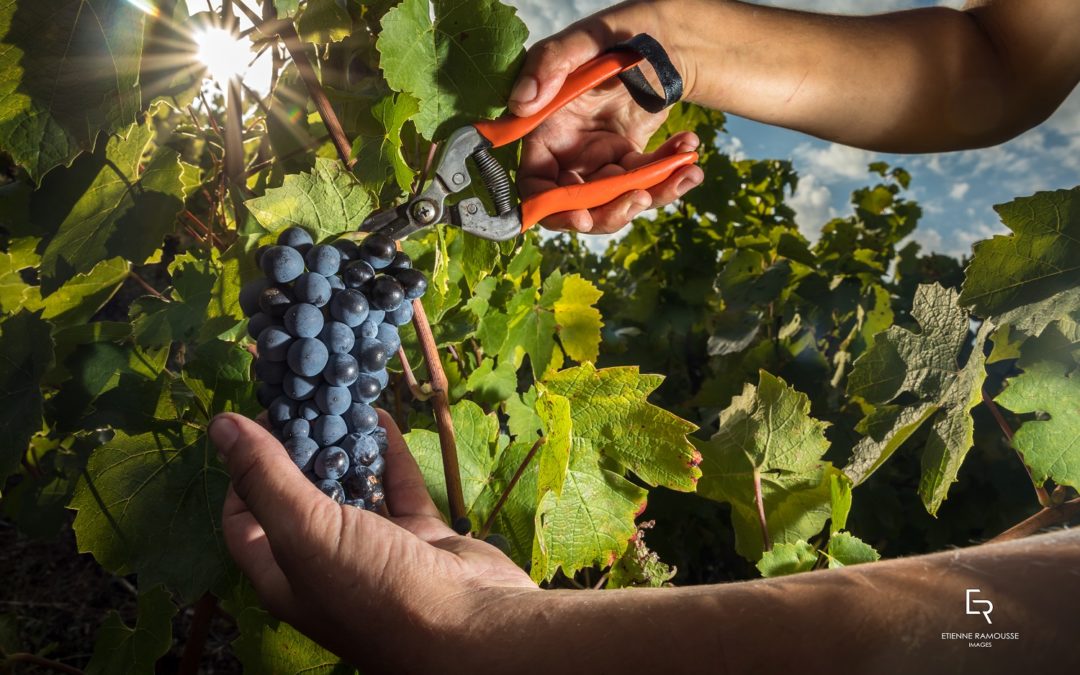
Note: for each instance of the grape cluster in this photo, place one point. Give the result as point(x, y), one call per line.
point(326, 319)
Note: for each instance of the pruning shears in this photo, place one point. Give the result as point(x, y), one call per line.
point(451, 174)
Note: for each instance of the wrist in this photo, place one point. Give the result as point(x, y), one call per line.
point(673, 24)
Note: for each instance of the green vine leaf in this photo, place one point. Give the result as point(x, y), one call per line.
point(1051, 448)
point(377, 148)
point(266, 645)
point(14, 291)
point(326, 202)
point(81, 297)
point(847, 549)
point(27, 345)
point(924, 365)
point(324, 21)
point(788, 558)
point(68, 69)
point(459, 64)
point(135, 651)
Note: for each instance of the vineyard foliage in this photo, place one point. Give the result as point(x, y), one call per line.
point(711, 357)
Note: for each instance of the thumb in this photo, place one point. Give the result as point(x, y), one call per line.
point(546, 66)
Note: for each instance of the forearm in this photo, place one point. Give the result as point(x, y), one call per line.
point(879, 617)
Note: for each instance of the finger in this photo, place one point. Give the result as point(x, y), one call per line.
point(298, 518)
point(406, 492)
point(247, 544)
point(546, 66)
point(684, 141)
point(676, 185)
point(614, 215)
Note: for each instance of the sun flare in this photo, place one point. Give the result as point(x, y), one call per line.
point(223, 53)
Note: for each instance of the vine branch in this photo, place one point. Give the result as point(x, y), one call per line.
point(200, 628)
point(510, 486)
point(1047, 517)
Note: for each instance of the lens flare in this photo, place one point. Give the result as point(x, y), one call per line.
point(224, 54)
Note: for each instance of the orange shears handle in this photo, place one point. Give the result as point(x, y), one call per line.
point(510, 128)
point(600, 192)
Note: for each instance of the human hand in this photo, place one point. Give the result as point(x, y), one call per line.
point(601, 133)
point(385, 592)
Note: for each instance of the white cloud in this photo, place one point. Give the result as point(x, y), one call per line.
point(731, 146)
point(544, 17)
point(812, 202)
point(959, 190)
point(833, 161)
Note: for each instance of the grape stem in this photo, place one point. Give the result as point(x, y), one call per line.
point(419, 392)
point(1047, 517)
point(760, 500)
point(486, 529)
point(200, 628)
point(1006, 430)
point(440, 403)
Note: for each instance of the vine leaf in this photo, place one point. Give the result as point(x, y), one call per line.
point(196, 310)
point(81, 297)
point(1012, 276)
point(924, 365)
point(788, 558)
point(120, 649)
point(150, 504)
point(115, 202)
point(27, 345)
point(14, 291)
point(266, 645)
point(326, 202)
point(767, 431)
point(847, 549)
point(377, 148)
point(68, 69)
point(577, 320)
point(324, 21)
point(1051, 448)
point(460, 63)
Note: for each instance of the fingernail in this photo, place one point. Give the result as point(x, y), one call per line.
point(525, 90)
point(223, 433)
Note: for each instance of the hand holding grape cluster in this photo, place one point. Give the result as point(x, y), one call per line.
point(324, 337)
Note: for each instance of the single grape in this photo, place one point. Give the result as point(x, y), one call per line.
point(312, 288)
point(378, 250)
point(375, 499)
point(332, 489)
point(381, 439)
point(297, 426)
point(401, 261)
point(271, 372)
point(331, 462)
point(382, 377)
point(303, 320)
point(307, 357)
point(361, 418)
point(413, 282)
point(267, 392)
point(333, 400)
point(359, 482)
point(299, 387)
point(281, 410)
point(357, 273)
point(361, 448)
point(350, 307)
point(323, 259)
point(378, 465)
point(462, 525)
point(295, 237)
point(370, 354)
point(386, 293)
point(368, 329)
point(366, 388)
point(249, 295)
point(274, 300)
point(376, 315)
point(400, 316)
point(282, 264)
point(388, 335)
point(301, 451)
point(259, 254)
point(308, 410)
point(337, 337)
point(348, 249)
point(258, 322)
point(358, 503)
point(336, 284)
point(498, 541)
point(341, 370)
point(273, 343)
point(328, 429)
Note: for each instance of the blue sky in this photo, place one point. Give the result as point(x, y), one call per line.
point(956, 189)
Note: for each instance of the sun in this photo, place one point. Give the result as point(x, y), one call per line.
point(223, 53)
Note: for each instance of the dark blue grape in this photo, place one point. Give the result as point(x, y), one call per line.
point(361, 418)
point(259, 254)
point(312, 288)
point(386, 293)
point(401, 261)
point(281, 410)
point(378, 465)
point(413, 282)
point(336, 284)
point(332, 462)
point(258, 322)
point(282, 264)
point(307, 357)
point(368, 329)
point(309, 411)
point(273, 343)
point(249, 295)
point(328, 429)
point(498, 541)
point(348, 249)
point(299, 387)
point(356, 274)
point(381, 439)
point(378, 250)
point(359, 482)
point(361, 448)
point(333, 400)
point(301, 451)
point(274, 300)
point(332, 489)
point(295, 237)
point(350, 307)
point(323, 259)
point(267, 392)
point(382, 377)
point(388, 335)
point(370, 354)
point(296, 427)
point(376, 315)
point(400, 316)
point(271, 372)
point(341, 370)
point(337, 337)
point(358, 503)
point(303, 320)
point(366, 388)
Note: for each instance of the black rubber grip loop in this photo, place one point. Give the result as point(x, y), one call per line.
point(639, 88)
